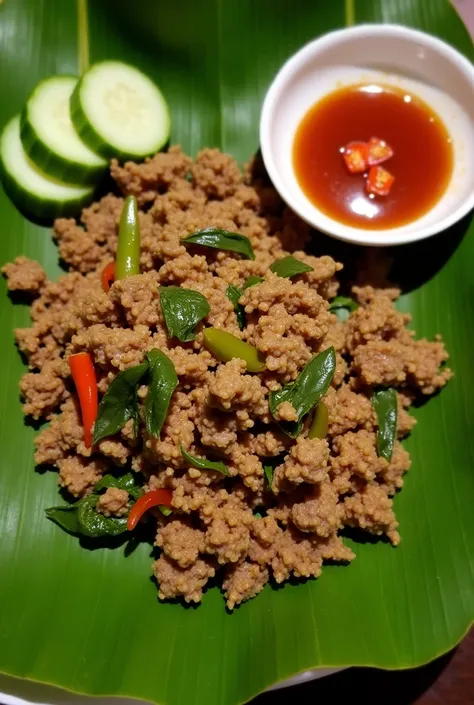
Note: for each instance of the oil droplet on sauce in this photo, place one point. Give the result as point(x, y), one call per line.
point(422, 162)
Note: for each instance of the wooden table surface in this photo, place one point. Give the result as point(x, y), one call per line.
point(447, 681)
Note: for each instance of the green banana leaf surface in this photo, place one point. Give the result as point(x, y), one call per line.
point(89, 620)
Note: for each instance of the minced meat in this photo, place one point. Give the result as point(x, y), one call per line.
point(236, 526)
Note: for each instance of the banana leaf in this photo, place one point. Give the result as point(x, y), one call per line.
point(89, 620)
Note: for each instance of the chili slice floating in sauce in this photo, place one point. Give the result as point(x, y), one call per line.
point(379, 181)
point(154, 498)
point(356, 156)
point(378, 151)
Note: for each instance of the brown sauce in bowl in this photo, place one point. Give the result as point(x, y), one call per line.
point(422, 163)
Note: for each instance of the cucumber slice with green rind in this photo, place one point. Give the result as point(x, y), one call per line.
point(119, 112)
point(50, 139)
point(32, 191)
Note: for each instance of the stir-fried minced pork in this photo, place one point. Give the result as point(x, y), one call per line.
point(238, 526)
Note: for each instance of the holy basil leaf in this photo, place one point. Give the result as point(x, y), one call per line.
point(251, 281)
point(289, 267)
point(163, 381)
point(270, 464)
point(65, 517)
point(119, 403)
point(126, 482)
point(96, 525)
point(306, 391)
point(204, 463)
point(385, 404)
point(82, 517)
point(343, 302)
point(233, 293)
point(268, 471)
point(221, 240)
point(182, 309)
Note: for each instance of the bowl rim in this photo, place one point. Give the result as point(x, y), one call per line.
point(360, 236)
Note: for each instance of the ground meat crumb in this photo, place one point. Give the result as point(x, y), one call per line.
point(357, 453)
point(227, 536)
point(233, 521)
point(244, 581)
point(320, 512)
point(24, 274)
point(297, 554)
point(113, 503)
point(79, 475)
point(42, 392)
point(180, 541)
point(286, 412)
point(174, 581)
point(371, 510)
point(307, 461)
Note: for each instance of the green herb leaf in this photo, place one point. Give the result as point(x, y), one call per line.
point(96, 525)
point(289, 267)
point(126, 482)
point(65, 517)
point(204, 463)
point(221, 240)
point(270, 464)
point(343, 302)
point(182, 309)
point(166, 511)
point(119, 403)
point(269, 471)
point(385, 404)
point(251, 281)
point(233, 293)
point(306, 391)
point(163, 382)
point(82, 518)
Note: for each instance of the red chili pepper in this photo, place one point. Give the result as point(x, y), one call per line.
point(379, 151)
point(108, 276)
point(83, 374)
point(379, 181)
point(356, 156)
point(151, 499)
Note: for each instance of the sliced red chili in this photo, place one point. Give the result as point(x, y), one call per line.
point(356, 155)
point(379, 181)
point(107, 276)
point(83, 374)
point(378, 151)
point(151, 499)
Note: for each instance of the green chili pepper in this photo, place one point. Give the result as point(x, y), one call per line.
point(226, 346)
point(319, 424)
point(127, 262)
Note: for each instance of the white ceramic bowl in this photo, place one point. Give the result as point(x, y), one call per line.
point(388, 54)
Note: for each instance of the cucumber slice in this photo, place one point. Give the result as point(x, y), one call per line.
point(32, 191)
point(49, 137)
point(119, 112)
